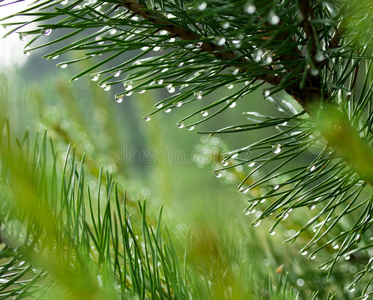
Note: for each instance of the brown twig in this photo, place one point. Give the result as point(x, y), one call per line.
point(206, 46)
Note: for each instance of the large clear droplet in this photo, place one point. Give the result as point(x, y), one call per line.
point(22, 36)
point(204, 113)
point(95, 77)
point(198, 95)
point(276, 148)
point(180, 125)
point(274, 19)
point(351, 288)
point(221, 41)
point(250, 8)
point(170, 88)
point(304, 253)
point(147, 119)
point(47, 31)
point(27, 51)
point(117, 73)
point(202, 6)
point(190, 128)
point(119, 98)
point(257, 223)
point(218, 174)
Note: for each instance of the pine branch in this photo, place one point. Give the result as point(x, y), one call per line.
point(220, 52)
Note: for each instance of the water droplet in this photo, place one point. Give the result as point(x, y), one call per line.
point(47, 31)
point(167, 110)
point(272, 233)
point(312, 168)
point(117, 73)
point(218, 174)
point(27, 51)
point(156, 48)
point(22, 36)
point(65, 2)
point(304, 253)
point(300, 282)
point(225, 163)
point(257, 223)
point(274, 19)
point(230, 86)
point(160, 82)
point(198, 95)
point(129, 94)
point(63, 66)
point(234, 155)
point(365, 297)
point(319, 56)
point(221, 41)
point(336, 246)
point(269, 59)
point(246, 190)
point(276, 187)
point(95, 77)
point(314, 72)
point(179, 104)
point(119, 98)
point(164, 70)
point(170, 88)
point(160, 105)
point(312, 207)
point(147, 119)
point(144, 48)
point(233, 105)
point(107, 88)
point(347, 257)
point(202, 6)
point(266, 93)
point(226, 25)
point(142, 91)
point(55, 57)
point(276, 149)
point(313, 256)
point(351, 288)
point(127, 86)
point(180, 125)
point(190, 128)
point(250, 8)
point(252, 164)
point(204, 113)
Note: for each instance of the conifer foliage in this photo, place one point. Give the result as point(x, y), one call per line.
point(313, 59)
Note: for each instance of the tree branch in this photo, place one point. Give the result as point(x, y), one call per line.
point(206, 46)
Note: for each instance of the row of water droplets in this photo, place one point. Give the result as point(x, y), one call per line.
point(248, 8)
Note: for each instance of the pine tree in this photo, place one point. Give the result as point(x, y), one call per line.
point(312, 59)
